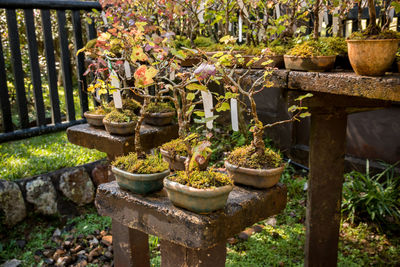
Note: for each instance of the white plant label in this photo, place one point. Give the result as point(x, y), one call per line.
point(103, 16)
point(208, 106)
point(172, 75)
point(127, 67)
point(97, 93)
point(240, 28)
point(114, 79)
point(117, 99)
point(234, 115)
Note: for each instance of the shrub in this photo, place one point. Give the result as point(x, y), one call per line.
point(373, 197)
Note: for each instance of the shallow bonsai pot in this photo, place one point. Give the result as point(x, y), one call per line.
point(94, 119)
point(159, 119)
point(197, 200)
point(139, 183)
point(177, 163)
point(258, 178)
point(372, 57)
point(277, 62)
point(120, 128)
point(317, 63)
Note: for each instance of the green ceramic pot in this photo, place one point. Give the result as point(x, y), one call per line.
point(258, 178)
point(139, 183)
point(197, 200)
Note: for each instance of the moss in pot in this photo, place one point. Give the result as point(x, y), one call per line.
point(140, 175)
point(159, 114)
point(120, 122)
point(96, 116)
point(311, 55)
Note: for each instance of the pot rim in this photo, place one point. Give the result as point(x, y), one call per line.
point(94, 116)
point(372, 40)
point(119, 124)
point(208, 192)
point(258, 172)
point(140, 176)
point(290, 56)
point(161, 114)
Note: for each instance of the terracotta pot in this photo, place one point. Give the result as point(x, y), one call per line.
point(258, 178)
point(317, 63)
point(120, 128)
point(197, 200)
point(372, 57)
point(159, 119)
point(277, 62)
point(94, 119)
point(139, 183)
point(177, 163)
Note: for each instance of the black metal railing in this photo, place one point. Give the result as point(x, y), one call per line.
point(24, 128)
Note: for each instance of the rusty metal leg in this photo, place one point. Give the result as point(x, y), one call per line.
point(173, 255)
point(327, 150)
point(131, 247)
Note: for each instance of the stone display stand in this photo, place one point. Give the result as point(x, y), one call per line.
point(114, 145)
point(186, 238)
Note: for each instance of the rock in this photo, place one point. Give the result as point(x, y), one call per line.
point(246, 234)
point(48, 261)
point(77, 186)
point(67, 244)
point(57, 232)
point(108, 255)
point(103, 233)
point(48, 253)
point(76, 249)
point(58, 254)
point(94, 242)
point(107, 240)
point(232, 240)
point(11, 263)
point(95, 253)
point(11, 202)
point(64, 261)
point(258, 228)
point(82, 263)
point(41, 193)
point(21, 243)
point(101, 175)
point(271, 221)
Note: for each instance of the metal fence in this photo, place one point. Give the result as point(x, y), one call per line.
point(68, 70)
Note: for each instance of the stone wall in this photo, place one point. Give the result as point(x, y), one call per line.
point(58, 192)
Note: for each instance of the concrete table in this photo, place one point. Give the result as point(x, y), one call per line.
point(187, 238)
point(114, 145)
point(335, 96)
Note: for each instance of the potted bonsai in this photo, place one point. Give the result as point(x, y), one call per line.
point(96, 116)
point(373, 51)
point(255, 165)
point(120, 122)
point(159, 114)
point(195, 190)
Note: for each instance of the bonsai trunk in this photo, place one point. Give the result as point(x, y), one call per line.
point(316, 19)
point(258, 133)
point(372, 28)
point(138, 146)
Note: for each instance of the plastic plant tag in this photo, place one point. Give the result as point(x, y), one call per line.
point(127, 67)
point(114, 79)
point(172, 75)
point(234, 115)
point(208, 106)
point(240, 28)
point(103, 16)
point(117, 99)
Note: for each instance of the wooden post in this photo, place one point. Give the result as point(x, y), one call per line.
point(131, 247)
point(173, 255)
point(327, 150)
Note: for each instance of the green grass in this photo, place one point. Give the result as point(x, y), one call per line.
point(41, 154)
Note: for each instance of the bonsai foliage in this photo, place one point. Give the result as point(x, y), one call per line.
point(131, 163)
point(234, 86)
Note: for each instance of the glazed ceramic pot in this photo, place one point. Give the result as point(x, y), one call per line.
point(197, 200)
point(177, 162)
point(258, 178)
point(120, 128)
point(316, 64)
point(372, 57)
point(159, 119)
point(139, 183)
point(94, 119)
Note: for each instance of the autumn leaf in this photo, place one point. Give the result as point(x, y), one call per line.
point(138, 54)
point(144, 76)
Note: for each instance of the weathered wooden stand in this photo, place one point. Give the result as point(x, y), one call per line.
point(335, 96)
point(187, 238)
